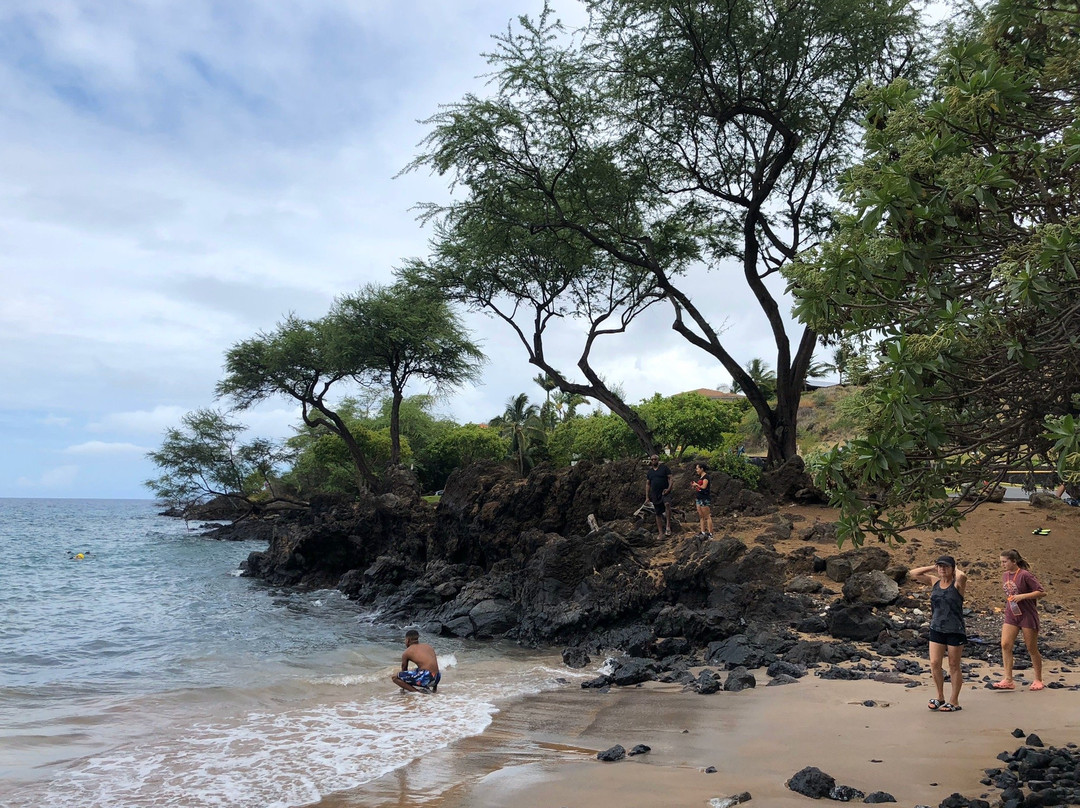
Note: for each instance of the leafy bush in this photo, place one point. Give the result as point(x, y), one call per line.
point(734, 465)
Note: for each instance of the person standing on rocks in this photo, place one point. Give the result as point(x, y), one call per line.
point(1022, 590)
point(947, 631)
point(657, 488)
point(425, 678)
point(702, 494)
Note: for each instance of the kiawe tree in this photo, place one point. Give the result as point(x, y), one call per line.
point(401, 333)
point(666, 133)
point(205, 458)
point(305, 361)
point(960, 254)
point(381, 337)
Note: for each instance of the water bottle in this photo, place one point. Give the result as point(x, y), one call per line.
point(1014, 607)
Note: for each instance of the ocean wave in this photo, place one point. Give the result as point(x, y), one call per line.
point(295, 756)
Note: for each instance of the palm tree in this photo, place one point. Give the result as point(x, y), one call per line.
point(520, 422)
point(763, 376)
point(547, 411)
point(569, 402)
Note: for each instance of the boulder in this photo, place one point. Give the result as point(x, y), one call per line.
point(734, 652)
point(575, 657)
point(633, 670)
point(803, 584)
point(617, 752)
point(739, 679)
point(865, 559)
point(855, 622)
point(707, 682)
point(811, 782)
point(873, 588)
point(879, 796)
point(783, 667)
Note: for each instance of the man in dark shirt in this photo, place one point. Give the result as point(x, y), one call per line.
point(657, 487)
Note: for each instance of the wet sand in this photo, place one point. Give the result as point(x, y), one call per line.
point(540, 752)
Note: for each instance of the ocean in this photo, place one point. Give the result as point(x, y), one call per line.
point(149, 673)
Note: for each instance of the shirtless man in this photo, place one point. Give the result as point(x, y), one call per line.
point(426, 676)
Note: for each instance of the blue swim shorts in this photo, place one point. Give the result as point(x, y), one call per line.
point(417, 678)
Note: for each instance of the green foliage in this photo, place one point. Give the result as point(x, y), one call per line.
point(691, 419)
point(597, 437)
point(522, 426)
point(323, 461)
point(761, 374)
point(419, 425)
point(304, 361)
point(960, 252)
point(733, 465)
point(461, 446)
point(392, 335)
point(204, 458)
point(381, 337)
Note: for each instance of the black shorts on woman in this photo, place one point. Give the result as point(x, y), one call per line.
point(948, 637)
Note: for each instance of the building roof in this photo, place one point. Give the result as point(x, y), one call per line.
point(718, 395)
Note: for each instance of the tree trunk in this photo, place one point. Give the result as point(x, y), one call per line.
point(395, 427)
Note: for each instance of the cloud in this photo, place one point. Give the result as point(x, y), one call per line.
point(97, 447)
point(54, 420)
point(60, 477)
point(154, 421)
point(176, 176)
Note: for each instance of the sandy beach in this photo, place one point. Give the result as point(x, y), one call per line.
point(540, 752)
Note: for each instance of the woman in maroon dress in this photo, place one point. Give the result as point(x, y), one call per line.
point(1022, 590)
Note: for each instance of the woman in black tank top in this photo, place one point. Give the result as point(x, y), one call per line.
point(947, 632)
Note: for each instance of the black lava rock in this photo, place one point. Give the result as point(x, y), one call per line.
point(879, 796)
point(614, 753)
point(739, 679)
point(811, 782)
point(845, 794)
point(575, 657)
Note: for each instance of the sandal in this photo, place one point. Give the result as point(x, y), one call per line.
point(1004, 684)
point(1036, 685)
point(949, 708)
point(935, 704)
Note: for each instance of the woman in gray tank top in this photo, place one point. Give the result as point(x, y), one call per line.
point(947, 632)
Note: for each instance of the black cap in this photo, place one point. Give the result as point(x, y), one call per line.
point(948, 561)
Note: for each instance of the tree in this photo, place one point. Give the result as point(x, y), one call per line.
point(203, 459)
point(597, 437)
point(763, 377)
point(533, 279)
point(959, 251)
point(666, 132)
point(398, 333)
point(462, 446)
point(323, 463)
point(302, 360)
point(690, 419)
point(520, 423)
point(547, 409)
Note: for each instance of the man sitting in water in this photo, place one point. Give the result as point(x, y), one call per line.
point(425, 678)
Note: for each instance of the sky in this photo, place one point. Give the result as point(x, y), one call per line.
point(178, 175)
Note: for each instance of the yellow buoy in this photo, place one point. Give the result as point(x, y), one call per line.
point(79, 555)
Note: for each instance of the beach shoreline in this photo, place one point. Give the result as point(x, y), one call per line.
point(540, 751)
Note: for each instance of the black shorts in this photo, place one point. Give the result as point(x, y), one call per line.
point(948, 637)
point(701, 502)
point(659, 505)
